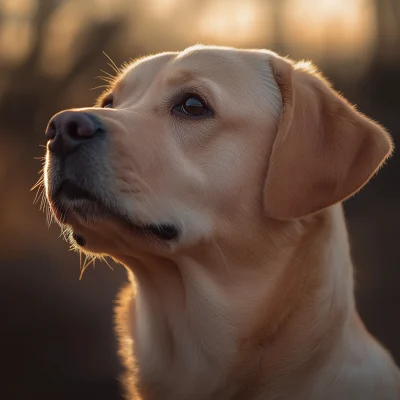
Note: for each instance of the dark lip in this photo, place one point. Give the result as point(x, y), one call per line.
point(88, 204)
point(70, 191)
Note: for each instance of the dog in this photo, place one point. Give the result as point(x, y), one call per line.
point(215, 175)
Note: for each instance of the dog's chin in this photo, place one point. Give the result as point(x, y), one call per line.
point(89, 217)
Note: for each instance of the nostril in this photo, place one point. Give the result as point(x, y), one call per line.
point(51, 131)
point(68, 130)
point(72, 128)
point(80, 127)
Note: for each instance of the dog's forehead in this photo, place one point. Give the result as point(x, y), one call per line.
point(210, 57)
point(142, 71)
point(216, 63)
point(196, 61)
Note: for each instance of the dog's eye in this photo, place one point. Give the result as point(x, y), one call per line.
point(192, 106)
point(107, 103)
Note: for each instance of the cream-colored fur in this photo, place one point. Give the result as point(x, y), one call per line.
point(254, 300)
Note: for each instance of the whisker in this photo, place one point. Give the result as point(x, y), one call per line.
point(43, 201)
point(82, 270)
point(102, 258)
point(86, 265)
point(112, 64)
point(114, 67)
point(64, 233)
point(108, 74)
point(48, 216)
point(38, 183)
point(105, 79)
point(100, 87)
point(39, 192)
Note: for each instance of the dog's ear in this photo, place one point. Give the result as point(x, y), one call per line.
point(324, 150)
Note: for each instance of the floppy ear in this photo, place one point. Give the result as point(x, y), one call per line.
point(324, 150)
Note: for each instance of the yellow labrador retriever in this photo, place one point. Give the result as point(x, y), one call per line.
point(215, 175)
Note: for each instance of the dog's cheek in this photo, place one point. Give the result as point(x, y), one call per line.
point(195, 226)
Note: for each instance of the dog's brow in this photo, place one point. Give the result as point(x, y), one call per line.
point(180, 76)
point(102, 97)
point(120, 84)
point(114, 88)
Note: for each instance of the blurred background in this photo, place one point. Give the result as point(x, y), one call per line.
point(56, 331)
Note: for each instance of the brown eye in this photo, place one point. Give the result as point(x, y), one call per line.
point(192, 106)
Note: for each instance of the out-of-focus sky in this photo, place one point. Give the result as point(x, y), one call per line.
point(340, 30)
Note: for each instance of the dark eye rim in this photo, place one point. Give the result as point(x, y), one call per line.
point(178, 110)
point(108, 102)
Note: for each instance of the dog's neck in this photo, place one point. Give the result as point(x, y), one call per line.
point(216, 320)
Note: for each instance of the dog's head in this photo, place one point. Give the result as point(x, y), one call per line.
point(186, 144)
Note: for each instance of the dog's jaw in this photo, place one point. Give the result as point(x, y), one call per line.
point(204, 331)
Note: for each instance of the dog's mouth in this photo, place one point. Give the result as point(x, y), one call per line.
point(70, 191)
point(71, 200)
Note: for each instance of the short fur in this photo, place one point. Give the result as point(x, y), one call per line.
point(254, 299)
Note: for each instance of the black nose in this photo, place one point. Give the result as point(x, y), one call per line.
point(67, 130)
